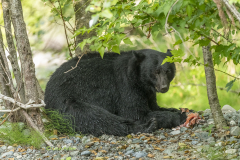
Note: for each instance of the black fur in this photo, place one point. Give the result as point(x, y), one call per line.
point(115, 95)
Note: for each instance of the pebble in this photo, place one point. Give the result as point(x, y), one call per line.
point(85, 153)
point(140, 154)
point(231, 151)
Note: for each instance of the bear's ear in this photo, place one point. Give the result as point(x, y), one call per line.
point(169, 52)
point(139, 56)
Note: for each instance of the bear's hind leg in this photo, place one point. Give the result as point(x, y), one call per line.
point(90, 119)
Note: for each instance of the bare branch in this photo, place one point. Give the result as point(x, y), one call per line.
point(21, 105)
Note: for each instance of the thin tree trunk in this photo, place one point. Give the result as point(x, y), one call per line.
point(211, 88)
point(27, 65)
point(82, 18)
point(12, 51)
point(5, 89)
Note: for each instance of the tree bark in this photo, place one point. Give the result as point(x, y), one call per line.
point(4, 80)
point(211, 88)
point(25, 54)
point(12, 51)
point(82, 18)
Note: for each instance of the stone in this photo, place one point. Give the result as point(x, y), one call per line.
point(168, 151)
point(202, 135)
point(10, 147)
point(218, 144)
point(74, 153)
point(140, 154)
point(231, 151)
point(129, 152)
point(7, 154)
point(227, 108)
point(194, 142)
point(183, 129)
point(235, 131)
point(210, 121)
point(136, 140)
point(85, 153)
point(232, 123)
point(67, 141)
point(175, 132)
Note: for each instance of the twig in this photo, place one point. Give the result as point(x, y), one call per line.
point(76, 64)
point(21, 105)
point(204, 85)
point(221, 35)
point(61, 14)
point(30, 121)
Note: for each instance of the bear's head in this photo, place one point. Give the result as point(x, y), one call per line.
point(153, 76)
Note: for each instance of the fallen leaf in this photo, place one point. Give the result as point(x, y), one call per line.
point(168, 157)
point(100, 158)
point(150, 155)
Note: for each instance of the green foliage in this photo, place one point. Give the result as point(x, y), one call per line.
point(60, 122)
point(12, 133)
point(150, 16)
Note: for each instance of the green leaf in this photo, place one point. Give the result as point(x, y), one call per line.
point(127, 41)
point(101, 51)
point(106, 13)
point(230, 84)
point(189, 11)
point(82, 44)
point(177, 42)
point(116, 49)
point(178, 52)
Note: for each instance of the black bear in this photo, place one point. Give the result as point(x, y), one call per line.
point(115, 95)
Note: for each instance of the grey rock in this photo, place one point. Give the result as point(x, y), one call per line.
point(232, 123)
point(67, 141)
point(4, 147)
point(136, 140)
point(218, 144)
point(210, 139)
point(85, 153)
point(231, 151)
point(175, 132)
point(168, 151)
point(227, 108)
point(210, 121)
point(202, 135)
point(142, 137)
point(235, 131)
point(194, 142)
point(183, 129)
point(57, 157)
point(129, 152)
point(211, 143)
point(7, 154)
point(74, 153)
point(140, 154)
point(10, 147)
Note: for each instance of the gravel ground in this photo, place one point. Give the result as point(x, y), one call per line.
point(201, 142)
